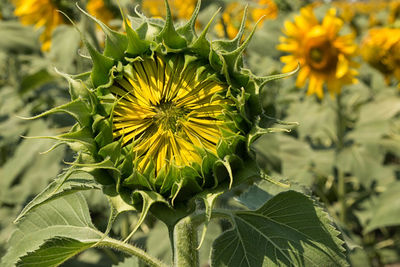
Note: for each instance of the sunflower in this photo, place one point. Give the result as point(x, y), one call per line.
point(324, 55)
point(231, 17)
point(100, 10)
point(168, 110)
point(381, 49)
point(41, 13)
point(349, 9)
point(183, 8)
point(165, 114)
point(394, 12)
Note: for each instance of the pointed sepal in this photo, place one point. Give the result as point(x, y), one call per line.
point(115, 44)
point(188, 30)
point(168, 35)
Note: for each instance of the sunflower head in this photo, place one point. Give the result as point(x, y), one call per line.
point(394, 12)
point(183, 8)
point(324, 55)
point(230, 21)
point(40, 13)
point(165, 115)
point(381, 49)
point(100, 9)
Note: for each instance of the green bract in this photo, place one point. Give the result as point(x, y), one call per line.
point(114, 165)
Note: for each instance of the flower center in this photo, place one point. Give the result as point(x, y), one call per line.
point(321, 55)
point(168, 116)
point(316, 54)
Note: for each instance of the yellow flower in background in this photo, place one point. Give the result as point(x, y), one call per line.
point(230, 20)
point(182, 9)
point(100, 10)
point(394, 13)
point(168, 111)
point(40, 13)
point(381, 49)
point(348, 10)
point(233, 13)
point(265, 8)
point(325, 56)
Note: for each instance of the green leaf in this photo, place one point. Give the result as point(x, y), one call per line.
point(254, 197)
point(24, 156)
point(66, 217)
point(317, 121)
point(16, 37)
point(386, 209)
point(364, 162)
point(289, 230)
point(65, 43)
point(296, 156)
point(66, 184)
point(36, 79)
point(54, 252)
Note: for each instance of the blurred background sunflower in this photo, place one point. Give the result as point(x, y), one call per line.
point(381, 49)
point(230, 20)
point(41, 13)
point(325, 56)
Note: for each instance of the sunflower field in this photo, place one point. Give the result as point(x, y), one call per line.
point(188, 133)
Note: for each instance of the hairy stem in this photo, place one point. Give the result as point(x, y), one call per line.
point(185, 244)
point(132, 250)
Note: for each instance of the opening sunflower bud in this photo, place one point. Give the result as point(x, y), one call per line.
point(168, 109)
point(166, 116)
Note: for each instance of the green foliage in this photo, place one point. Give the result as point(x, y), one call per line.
point(66, 184)
point(62, 222)
point(288, 230)
point(386, 209)
point(54, 251)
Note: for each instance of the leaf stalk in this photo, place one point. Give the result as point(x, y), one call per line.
point(132, 250)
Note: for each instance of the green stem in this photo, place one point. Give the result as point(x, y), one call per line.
point(342, 196)
point(185, 244)
point(341, 124)
point(132, 250)
point(341, 127)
